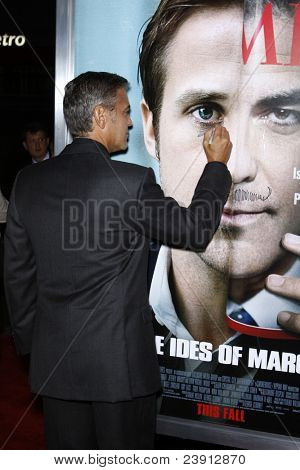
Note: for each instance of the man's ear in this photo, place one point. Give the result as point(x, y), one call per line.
point(99, 116)
point(149, 134)
point(25, 145)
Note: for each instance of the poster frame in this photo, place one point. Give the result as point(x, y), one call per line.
point(224, 435)
point(64, 67)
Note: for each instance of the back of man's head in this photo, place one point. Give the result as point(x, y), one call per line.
point(85, 92)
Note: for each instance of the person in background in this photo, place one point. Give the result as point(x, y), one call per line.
point(36, 140)
point(34, 146)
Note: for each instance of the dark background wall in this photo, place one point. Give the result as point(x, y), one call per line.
point(26, 77)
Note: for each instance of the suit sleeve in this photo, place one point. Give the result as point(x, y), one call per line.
point(19, 278)
point(192, 228)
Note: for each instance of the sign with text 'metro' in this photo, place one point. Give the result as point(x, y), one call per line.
point(10, 40)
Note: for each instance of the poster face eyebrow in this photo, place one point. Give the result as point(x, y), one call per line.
point(192, 97)
point(284, 98)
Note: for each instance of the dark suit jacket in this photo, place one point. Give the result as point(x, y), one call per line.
point(76, 254)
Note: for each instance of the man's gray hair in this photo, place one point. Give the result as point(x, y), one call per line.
point(85, 92)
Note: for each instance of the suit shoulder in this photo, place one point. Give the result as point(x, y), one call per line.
point(130, 171)
point(132, 175)
point(131, 168)
point(28, 172)
point(37, 174)
point(31, 171)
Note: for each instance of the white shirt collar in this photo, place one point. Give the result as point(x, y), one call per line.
point(46, 157)
point(263, 307)
point(160, 297)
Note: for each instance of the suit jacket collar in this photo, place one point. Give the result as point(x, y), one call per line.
point(83, 145)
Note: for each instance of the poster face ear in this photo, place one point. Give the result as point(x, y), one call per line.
point(149, 134)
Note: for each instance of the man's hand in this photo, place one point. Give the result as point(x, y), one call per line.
point(288, 287)
point(217, 145)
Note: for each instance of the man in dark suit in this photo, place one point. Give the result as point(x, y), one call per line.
point(76, 269)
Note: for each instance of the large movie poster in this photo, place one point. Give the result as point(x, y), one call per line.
point(223, 356)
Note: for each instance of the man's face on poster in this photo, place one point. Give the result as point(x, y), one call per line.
point(207, 82)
